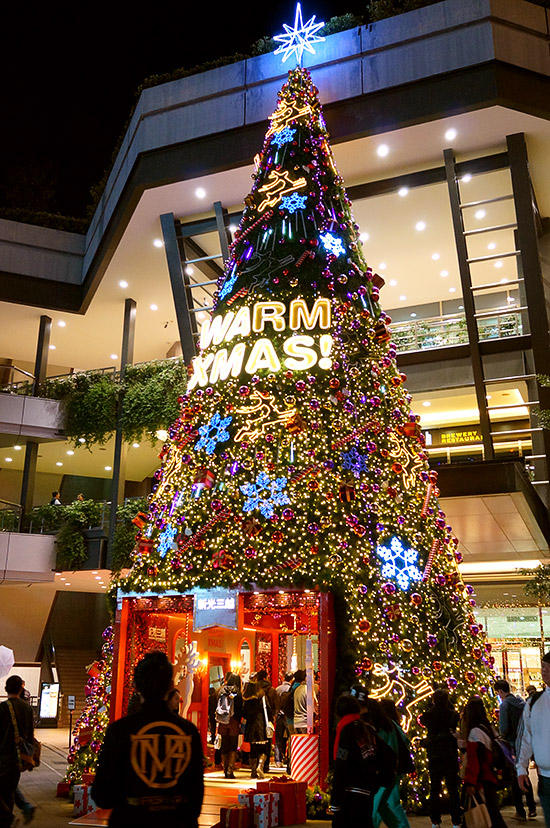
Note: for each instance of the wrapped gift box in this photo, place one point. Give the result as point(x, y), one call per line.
point(266, 810)
point(87, 778)
point(63, 788)
point(292, 798)
point(83, 802)
point(235, 816)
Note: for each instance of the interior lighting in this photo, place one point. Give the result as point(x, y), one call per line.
point(393, 283)
point(52, 347)
point(70, 452)
point(98, 578)
point(123, 283)
point(232, 228)
point(158, 243)
point(426, 403)
point(382, 150)
point(436, 256)
point(413, 315)
point(95, 572)
point(452, 290)
point(498, 264)
point(491, 246)
point(114, 356)
point(62, 578)
point(59, 463)
point(450, 135)
point(200, 192)
point(108, 468)
point(402, 298)
point(161, 434)
point(189, 270)
point(66, 583)
point(81, 439)
point(444, 273)
point(466, 178)
point(403, 191)
point(503, 281)
point(511, 299)
point(17, 448)
point(420, 225)
point(153, 307)
point(135, 445)
point(382, 266)
point(364, 237)
point(496, 566)
point(8, 459)
point(61, 323)
point(480, 214)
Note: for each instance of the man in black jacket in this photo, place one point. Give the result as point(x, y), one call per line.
point(9, 765)
point(150, 768)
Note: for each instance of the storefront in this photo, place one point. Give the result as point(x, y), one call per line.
point(210, 632)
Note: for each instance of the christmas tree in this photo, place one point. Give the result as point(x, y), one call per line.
point(89, 730)
point(297, 460)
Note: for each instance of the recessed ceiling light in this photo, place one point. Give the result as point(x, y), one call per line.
point(511, 298)
point(233, 228)
point(498, 264)
point(420, 225)
point(95, 572)
point(435, 256)
point(8, 459)
point(98, 578)
point(364, 237)
point(402, 298)
point(52, 347)
point(450, 135)
point(61, 323)
point(59, 463)
point(466, 178)
point(158, 243)
point(426, 404)
point(200, 192)
point(503, 281)
point(153, 307)
point(70, 452)
point(393, 283)
point(382, 266)
point(135, 445)
point(444, 273)
point(114, 356)
point(452, 290)
point(461, 307)
point(103, 586)
point(413, 315)
point(123, 283)
point(62, 578)
point(81, 439)
point(480, 214)
point(491, 246)
point(382, 150)
point(108, 468)
point(66, 583)
point(189, 270)
point(18, 448)
point(403, 191)
point(489, 397)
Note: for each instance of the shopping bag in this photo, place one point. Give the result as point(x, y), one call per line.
point(476, 814)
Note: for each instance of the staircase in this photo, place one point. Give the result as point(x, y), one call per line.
point(71, 669)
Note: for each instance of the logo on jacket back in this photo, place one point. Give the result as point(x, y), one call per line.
point(160, 753)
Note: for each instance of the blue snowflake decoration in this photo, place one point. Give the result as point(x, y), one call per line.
point(265, 494)
point(354, 461)
point(293, 202)
point(300, 38)
point(166, 539)
point(213, 433)
point(284, 136)
point(332, 244)
point(400, 563)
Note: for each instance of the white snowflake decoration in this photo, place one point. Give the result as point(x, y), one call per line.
point(400, 563)
point(332, 244)
point(166, 539)
point(265, 494)
point(293, 202)
point(213, 433)
point(300, 38)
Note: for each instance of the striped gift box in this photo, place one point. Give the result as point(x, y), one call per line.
point(304, 757)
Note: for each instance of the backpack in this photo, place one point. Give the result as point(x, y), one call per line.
point(287, 704)
point(514, 718)
point(224, 708)
point(503, 765)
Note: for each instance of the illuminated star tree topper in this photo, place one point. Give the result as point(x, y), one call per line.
point(300, 38)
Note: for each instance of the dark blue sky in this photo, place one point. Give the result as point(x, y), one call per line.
point(70, 73)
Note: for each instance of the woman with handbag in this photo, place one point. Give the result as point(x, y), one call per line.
point(259, 728)
point(17, 746)
point(441, 720)
point(229, 699)
point(479, 775)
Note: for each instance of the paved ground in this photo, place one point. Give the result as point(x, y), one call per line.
point(40, 787)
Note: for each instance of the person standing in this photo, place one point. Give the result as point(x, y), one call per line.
point(534, 740)
point(150, 769)
point(479, 774)
point(273, 698)
point(256, 710)
point(55, 501)
point(300, 702)
point(387, 801)
point(441, 720)
point(229, 712)
point(510, 715)
point(9, 762)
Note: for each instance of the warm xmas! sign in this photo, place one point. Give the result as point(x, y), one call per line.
point(301, 351)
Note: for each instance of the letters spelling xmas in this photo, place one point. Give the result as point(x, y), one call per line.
point(299, 350)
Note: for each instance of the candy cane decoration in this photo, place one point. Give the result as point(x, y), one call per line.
point(429, 490)
point(351, 436)
point(242, 292)
point(304, 473)
point(429, 562)
point(308, 254)
point(244, 233)
point(223, 515)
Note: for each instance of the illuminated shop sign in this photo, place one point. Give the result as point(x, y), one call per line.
point(215, 608)
point(454, 438)
point(302, 350)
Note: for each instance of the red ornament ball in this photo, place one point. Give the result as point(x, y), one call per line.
point(416, 599)
point(470, 676)
point(250, 552)
point(364, 625)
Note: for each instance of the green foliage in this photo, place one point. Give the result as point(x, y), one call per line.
point(150, 397)
point(317, 802)
point(69, 521)
point(90, 404)
point(341, 24)
point(380, 9)
point(539, 585)
point(125, 533)
point(42, 219)
point(71, 548)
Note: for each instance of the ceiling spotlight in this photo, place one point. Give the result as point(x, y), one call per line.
point(70, 452)
point(450, 135)
point(81, 440)
point(200, 192)
point(498, 264)
point(503, 281)
point(393, 283)
point(382, 266)
point(426, 404)
point(135, 445)
point(8, 459)
point(232, 228)
point(511, 298)
point(161, 434)
point(108, 468)
point(61, 323)
point(435, 256)
point(403, 191)
point(420, 225)
point(114, 356)
point(382, 150)
point(18, 448)
point(466, 178)
point(402, 298)
point(98, 578)
point(444, 273)
point(153, 307)
point(123, 283)
point(480, 214)
point(189, 270)
point(364, 237)
point(52, 347)
point(452, 290)
point(413, 315)
point(491, 246)
point(158, 243)
point(58, 463)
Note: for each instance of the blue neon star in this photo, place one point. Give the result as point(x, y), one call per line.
point(293, 202)
point(354, 461)
point(300, 38)
point(332, 244)
point(213, 432)
point(166, 539)
point(265, 494)
point(284, 136)
point(400, 563)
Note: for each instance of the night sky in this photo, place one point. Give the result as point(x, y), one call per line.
point(70, 73)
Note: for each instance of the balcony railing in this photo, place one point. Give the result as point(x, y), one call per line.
point(444, 331)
